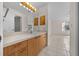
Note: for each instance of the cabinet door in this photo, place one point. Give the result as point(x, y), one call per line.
point(32, 47)
point(5, 52)
point(12, 54)
point(21, 49)
point(9, 51)
point(42, 42)
point(16, 49)
point(36, 45)
point(21, 52)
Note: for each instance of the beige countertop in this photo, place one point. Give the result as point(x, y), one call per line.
point(18, 37)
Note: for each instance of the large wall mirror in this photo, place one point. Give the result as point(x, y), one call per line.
point(12, 21)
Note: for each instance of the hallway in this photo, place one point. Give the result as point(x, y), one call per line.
point(59, 46)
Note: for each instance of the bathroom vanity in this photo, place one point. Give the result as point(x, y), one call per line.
point(23, 44)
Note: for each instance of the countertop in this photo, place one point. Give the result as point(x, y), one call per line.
point(18, 37)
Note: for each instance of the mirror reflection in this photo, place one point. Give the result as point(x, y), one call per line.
point(18, 19)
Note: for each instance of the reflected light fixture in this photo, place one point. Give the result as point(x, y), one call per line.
point(28, 6)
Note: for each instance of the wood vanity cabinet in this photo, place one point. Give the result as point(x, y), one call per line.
point(21, 49)
point(36, 44)
point(21, 52)
point(18, 49)
point(9, 51)
point(42, 41)
point(30, 47)
point(33, 47)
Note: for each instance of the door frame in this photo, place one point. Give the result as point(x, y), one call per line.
point(73, 29)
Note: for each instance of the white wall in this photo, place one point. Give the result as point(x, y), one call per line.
point(9, 20)
point(1, 21)
point(57, 14)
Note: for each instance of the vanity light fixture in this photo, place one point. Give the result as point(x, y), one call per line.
point(28, 6)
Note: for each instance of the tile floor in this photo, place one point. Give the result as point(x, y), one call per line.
point(58, 46)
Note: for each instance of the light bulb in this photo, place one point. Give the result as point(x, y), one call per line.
point(24, 6)
point(21, 4)
point(30, 5)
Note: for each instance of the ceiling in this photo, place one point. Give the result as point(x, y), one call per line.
point(16, 5)
point(38, 4)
